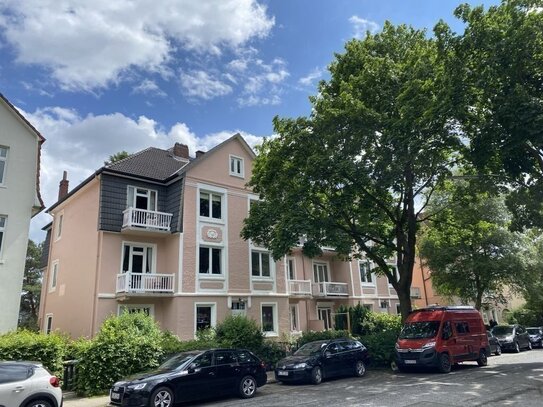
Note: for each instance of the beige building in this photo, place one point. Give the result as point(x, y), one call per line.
point(20, 200)
point(159, 232)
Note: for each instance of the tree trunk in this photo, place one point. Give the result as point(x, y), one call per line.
point(404, 295)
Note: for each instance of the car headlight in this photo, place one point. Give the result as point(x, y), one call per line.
point(429, 345)
point(300, 365)
point(137, 386)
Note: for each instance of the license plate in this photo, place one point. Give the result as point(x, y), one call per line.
point(282, 373)
point(115, 396)
point(410, 362)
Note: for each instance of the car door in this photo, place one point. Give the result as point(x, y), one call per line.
point(198, 381)
point(332, 360)
point(227, 371)
point(524, 336)
point(348, 357)
point(15, 385)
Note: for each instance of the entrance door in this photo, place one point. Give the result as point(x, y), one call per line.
point(325, 314)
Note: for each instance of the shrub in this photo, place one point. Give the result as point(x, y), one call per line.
point(380, 347)
point(374, 323)
point(238, 331)
point(357, 315)
point(125, 345)
point(525, 316)
point(50, 350)
point(310, 336)
point(270, 353)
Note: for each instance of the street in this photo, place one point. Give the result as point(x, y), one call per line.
point(509, 379)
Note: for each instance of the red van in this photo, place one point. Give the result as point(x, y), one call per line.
point(441, 336)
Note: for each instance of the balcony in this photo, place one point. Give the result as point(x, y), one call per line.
point(143, 220)
point(330, 290)
point(144, 284)
point(299, 287)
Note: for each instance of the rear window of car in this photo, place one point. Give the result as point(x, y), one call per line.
point(246, 357)
point(14, 373)
point(533, 331)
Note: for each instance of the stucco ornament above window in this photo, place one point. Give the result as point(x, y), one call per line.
point(212, 234)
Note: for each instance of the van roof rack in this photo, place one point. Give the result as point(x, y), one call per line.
point(445, 307)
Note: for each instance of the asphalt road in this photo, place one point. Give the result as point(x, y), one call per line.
point(508, 380)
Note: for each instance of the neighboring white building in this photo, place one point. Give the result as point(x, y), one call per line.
point(20, 200)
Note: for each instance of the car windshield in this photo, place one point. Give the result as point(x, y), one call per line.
point(310, 349)
point(419, 330)
point(177, 361)
point(533, 331)
point(502, 330)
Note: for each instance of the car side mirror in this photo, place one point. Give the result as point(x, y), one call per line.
point(193, 367)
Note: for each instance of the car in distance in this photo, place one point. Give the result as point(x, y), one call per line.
point(320, 360)
point(512, 337)
point(536, 336)
point(190, 376)
point(494, 344)
point(28, 384)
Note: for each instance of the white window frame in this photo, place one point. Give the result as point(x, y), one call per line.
point(234, 159)
point(210, 259)
point(321, 263)
point(55, 265)
point(372, 275)
point(5, 161)
point(48, 324)
point(241, 308)
point(213, 306)
point(58, 225)
point(291, 271)
point(145, 246)
point(260, 254)
point(398, 310)
point(293, 308)
point(3, 234)
point(135, 194)
point(122, 307)
point(211, 192)
point(275, 331)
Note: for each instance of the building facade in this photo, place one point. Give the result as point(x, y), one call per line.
point(159, 232)
point(20, 200)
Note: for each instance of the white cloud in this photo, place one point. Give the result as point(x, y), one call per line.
point(88, 45)
point(315, 74)
point(201, 85)
point(149, 87)
point(361, 26)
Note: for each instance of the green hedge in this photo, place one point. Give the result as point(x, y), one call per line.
point(380, 347)
point(239, 332)
point(50, 350)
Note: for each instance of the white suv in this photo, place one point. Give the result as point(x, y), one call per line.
point(28, 384)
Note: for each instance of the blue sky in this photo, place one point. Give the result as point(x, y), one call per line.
point(99, 77)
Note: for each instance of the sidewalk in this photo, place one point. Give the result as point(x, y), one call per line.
point(102, 401)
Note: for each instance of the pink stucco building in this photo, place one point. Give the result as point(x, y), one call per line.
point(159, 232)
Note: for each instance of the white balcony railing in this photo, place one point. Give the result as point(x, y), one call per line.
point(330, 290)
point(144, 283)
point(141, 218)
point(299, 287)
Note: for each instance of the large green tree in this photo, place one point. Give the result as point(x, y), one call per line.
point(468, 246)
point(349, 175)
point(30, 296)
point(495, 69)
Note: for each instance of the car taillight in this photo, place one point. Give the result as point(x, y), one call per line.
point(262, 364)
point(54, 381)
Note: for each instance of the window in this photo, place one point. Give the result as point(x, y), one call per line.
point(3, 221)
point(398, 310)
point(369, 307)
point(14, 373)
point(245, 357)
point(294, 318)
point(268, 318)
point(54, 276)
point(320, 272)
point(325, 314)
point(3, 164)
point(238, 307)
point(210, 260)
point(224, 358)
point(135, 308)
point(141, 198)
point(205, 316)
point(138, 258)
point(260, 264)
point(203, 360)
point(59, 225)
point(48, 323)
point(462, 328)
point(291, 270)
point(384, 304)
point(394, 270)
point(236, 166)
point(366, 276)
point(210, 205)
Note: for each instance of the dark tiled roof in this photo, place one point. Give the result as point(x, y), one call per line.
point(152, 163)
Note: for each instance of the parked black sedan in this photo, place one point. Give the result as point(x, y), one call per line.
point(536, 336)
point(512, 337)
point(319, 360)
point(193, 375)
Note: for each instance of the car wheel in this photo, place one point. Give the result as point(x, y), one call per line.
point(162, 397)
point(316, 375)
point(482, 360)
point(247, 387)
point(530, 347)
point(359, 369)
point(517, 348)
point(39, 403)
point(444, 363)
point(498, 350)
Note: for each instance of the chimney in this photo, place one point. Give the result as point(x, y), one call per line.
point(181, 150)
point(63, 186)
point(199, 153)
